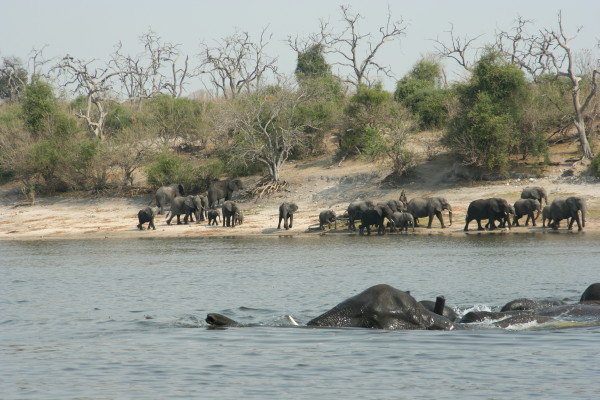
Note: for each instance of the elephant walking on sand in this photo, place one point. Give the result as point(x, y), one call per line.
point(184, 206)
point(230, 210)
point(165, 195)
point(529, 207)
point(214, 215)
point(491, 209)
point(421, 207)
point(355, 210)
point(535, 192)
point(570, 207)
point(402, 220)
point(327, 217)
point(223, 190)
point(147, 215)
point(286, 213)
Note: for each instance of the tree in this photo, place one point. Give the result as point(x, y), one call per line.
point(264, 126)
point(420, 91)
point(95, 84)
point(236, 63)
point(486, 129)
point(155, 70)
point(550, 51)
point(13, 79)
point(355, 51)
point(38, 106)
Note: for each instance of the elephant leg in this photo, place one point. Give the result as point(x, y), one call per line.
point(439, 216)
point(430, 221)
point(279, 224)
point(481, 228)
point(466, 229)
point(291, 220)
point(151, 225)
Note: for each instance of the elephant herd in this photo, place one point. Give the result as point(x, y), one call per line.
point(400, 214)
point(385, 307)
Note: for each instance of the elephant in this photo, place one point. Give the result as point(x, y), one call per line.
point(397, 205)
point(375, 216)
point(528, 304)
point(591, 294)
point(570, 207)
point(147, 215)
point(421, 207)
point(529, 207)
point(165, 195)
point(355, 210)
point(212, 215)
point(491, 209)
point(525, 310)
point(403, 220)
point(447, 312)
point(286, 213)
point(327, 217)
point(239, 218)
point(223, 190)
point(230, 209)
point(546, 216)
point(382, 307)
point(186, 206)
point(535, 192)
point(202, 212)
point(502, 220)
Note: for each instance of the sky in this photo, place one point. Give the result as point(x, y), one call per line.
point(90, 29)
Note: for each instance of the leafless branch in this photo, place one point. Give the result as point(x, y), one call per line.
point(457, 49)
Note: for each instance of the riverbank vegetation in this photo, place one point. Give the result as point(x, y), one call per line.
point(72, 124)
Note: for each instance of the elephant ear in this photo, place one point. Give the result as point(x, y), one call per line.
point(495, 206)
point(189, 201)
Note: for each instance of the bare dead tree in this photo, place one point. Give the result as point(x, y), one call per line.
point(265, 126)
point(457, 49)
point(93, 82)
point(156, 70)
point(354, 50)
point(13, 79)
point(550, 52)
point(237, 63)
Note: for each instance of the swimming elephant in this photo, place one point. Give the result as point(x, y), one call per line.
point(529, 207)
point(528, 304)
point(230, 209)
point(447, 311)
point(147, 215)
point(223, 190)
point(286, 213)
point(421, 207)
point(591, 294)
point(491, 209)
point(535, 192)
point(165, 195)
point(382, 307)
point(569, 207)
point(327, 217)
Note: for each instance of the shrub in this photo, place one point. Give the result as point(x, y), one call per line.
point(595, 165)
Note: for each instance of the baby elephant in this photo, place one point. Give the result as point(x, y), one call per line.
point(147, 215)
point(286, 212)
point(403, 220)
point(327, 217)
point(239, 218)
point(213, 215)
point(529, 207)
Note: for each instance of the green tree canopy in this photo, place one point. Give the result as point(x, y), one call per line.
point(312, 63)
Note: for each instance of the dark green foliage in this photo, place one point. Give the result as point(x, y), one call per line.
point(419, 92)
point(595, 165)
point(168, 169)
point(312, 64)
point(37, 106)
point(119, 118)
point(491, 124)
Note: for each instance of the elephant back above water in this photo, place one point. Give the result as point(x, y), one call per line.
point(223, 190)
point(165, 195)
point(382, 307)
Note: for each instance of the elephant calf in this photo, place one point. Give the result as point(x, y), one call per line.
point(286, 212)
point(230, 211)
point(213, 215)
point(147, 215)
point(402, 220)
point(327, 217)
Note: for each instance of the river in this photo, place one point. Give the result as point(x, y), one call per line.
point(124, 319)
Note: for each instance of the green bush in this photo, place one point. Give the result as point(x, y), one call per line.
point(595, 165)
point(168, 169)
